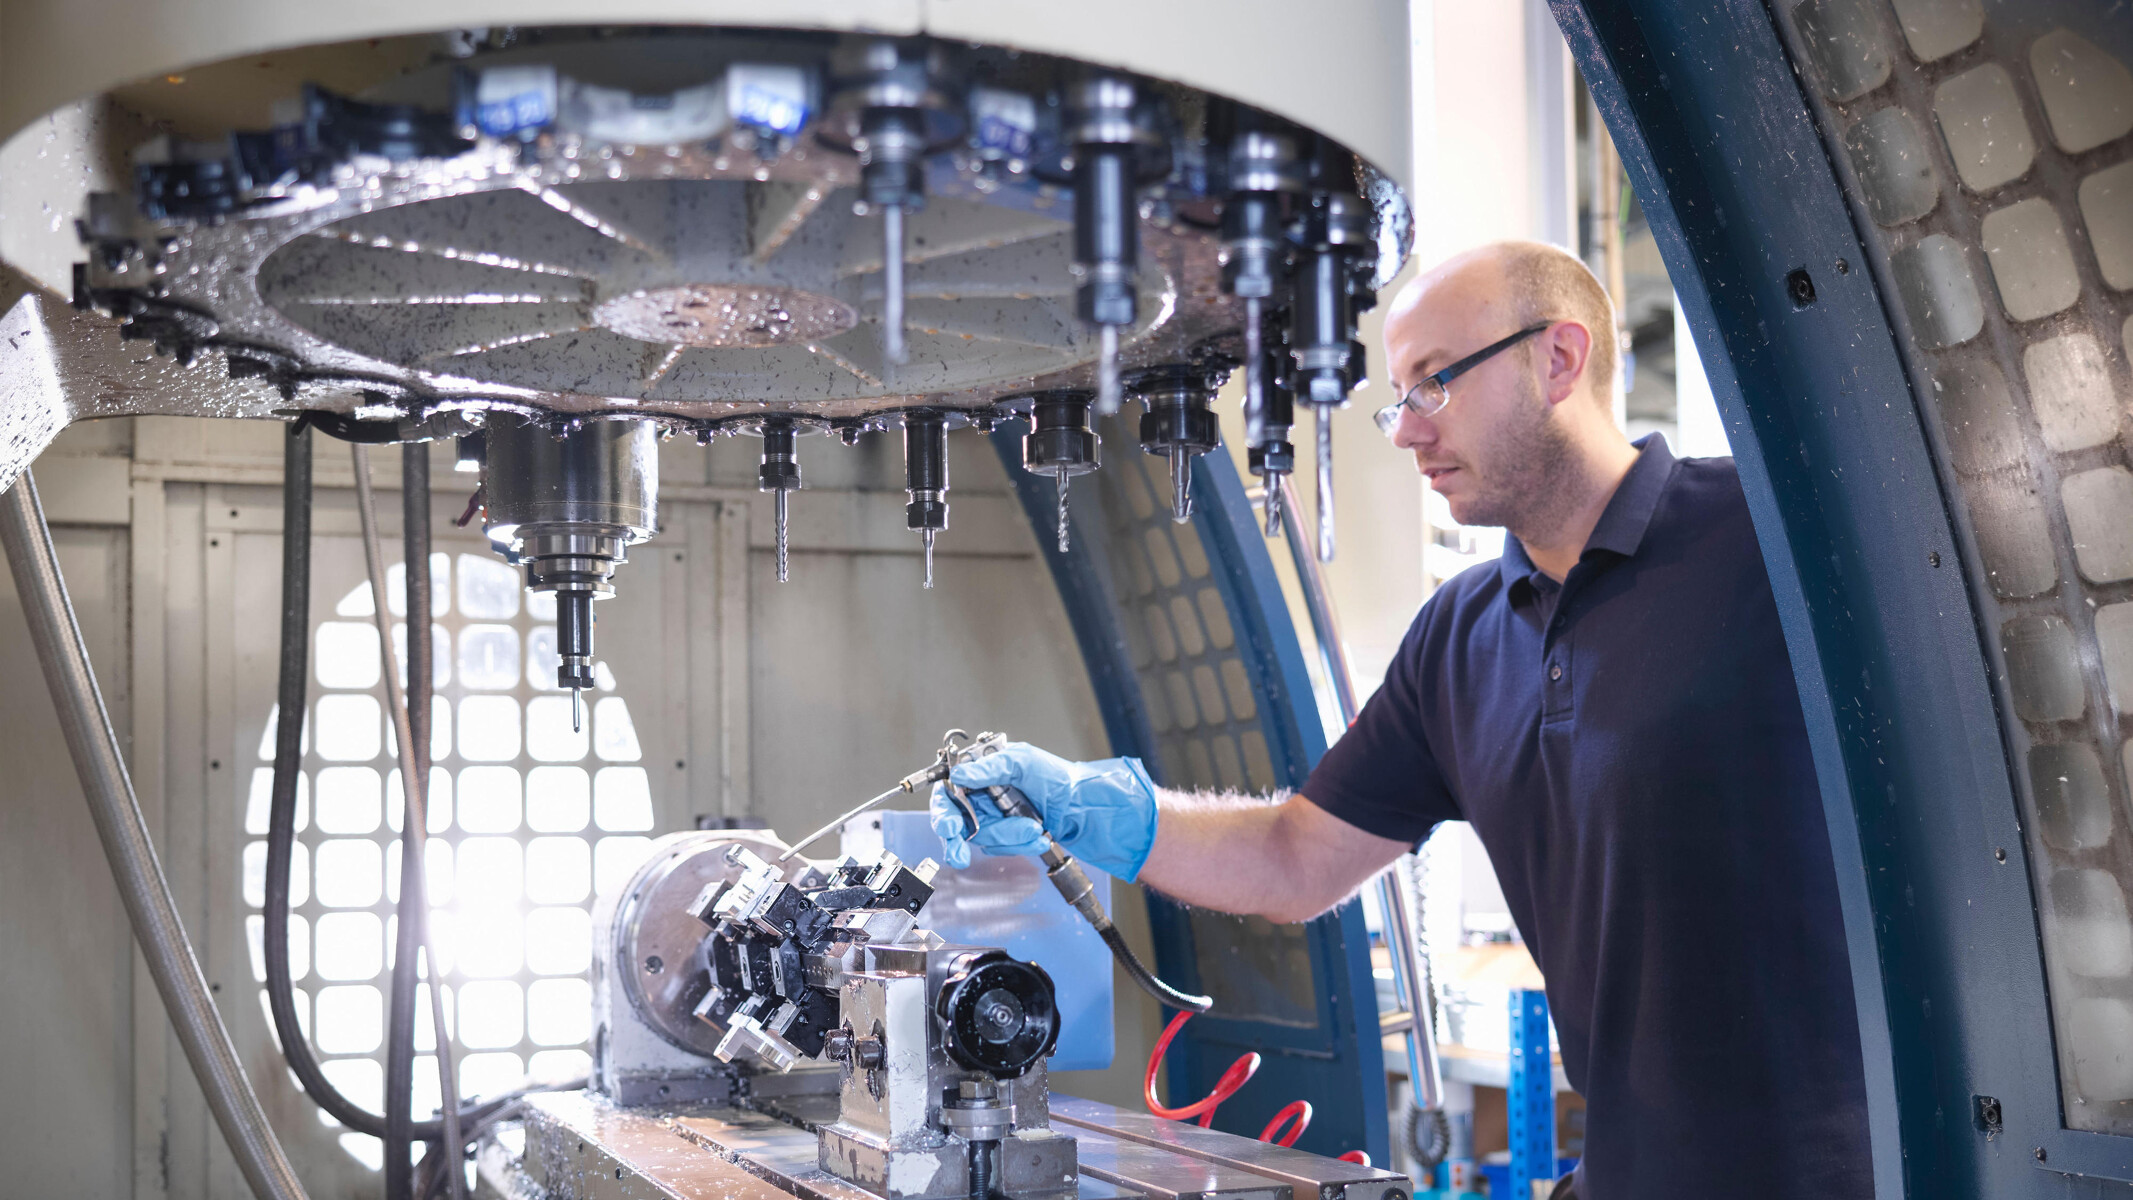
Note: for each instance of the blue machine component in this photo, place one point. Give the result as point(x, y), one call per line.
point(1199, 673)
point(1006, 901)
point(1529, 1102)
point(1831, 390)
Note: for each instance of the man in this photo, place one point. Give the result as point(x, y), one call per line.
point(1612, 707)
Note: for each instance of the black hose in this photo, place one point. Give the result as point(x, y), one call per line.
point(413, 917)
point(293, 695)
point(1146, 979)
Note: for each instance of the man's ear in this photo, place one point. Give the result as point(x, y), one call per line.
point(1567, 350)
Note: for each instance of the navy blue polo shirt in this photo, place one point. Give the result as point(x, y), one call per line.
point(1629, 747)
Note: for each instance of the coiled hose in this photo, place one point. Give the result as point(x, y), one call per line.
point(1296, 1114)
point(293, 695)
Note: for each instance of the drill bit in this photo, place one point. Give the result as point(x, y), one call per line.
point(1325, 483)
point(892, 283)
point(1273, 505)
point(1062, 477)
point(781, 514)
point(577, 711)
point(1107, 393)
point(1180, 484)
point(928, 536)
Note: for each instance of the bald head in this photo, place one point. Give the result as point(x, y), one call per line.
point(1511, 285)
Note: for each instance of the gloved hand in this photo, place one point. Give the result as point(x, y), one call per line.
point(1102, 813)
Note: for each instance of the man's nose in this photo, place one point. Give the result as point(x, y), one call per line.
point(1414, 430)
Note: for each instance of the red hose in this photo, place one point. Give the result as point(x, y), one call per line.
point(1301, 1111)
point(1360, 1158)
point(1239, 1073)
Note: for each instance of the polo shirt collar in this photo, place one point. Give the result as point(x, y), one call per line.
point(1627, 515)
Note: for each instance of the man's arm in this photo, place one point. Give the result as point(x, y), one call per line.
point(1286, 861)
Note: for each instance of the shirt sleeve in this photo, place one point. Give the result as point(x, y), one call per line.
point(1381, 775)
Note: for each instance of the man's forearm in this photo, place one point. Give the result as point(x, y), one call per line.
point(1285, 860)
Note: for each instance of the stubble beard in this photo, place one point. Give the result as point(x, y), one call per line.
point(1525, 471)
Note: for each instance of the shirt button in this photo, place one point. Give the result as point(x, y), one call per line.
point(1555, 671)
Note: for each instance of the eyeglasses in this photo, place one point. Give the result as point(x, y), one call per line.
point(1429, 396)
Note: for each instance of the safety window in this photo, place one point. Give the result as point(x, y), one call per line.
point(1991, 151)
point(528, 819)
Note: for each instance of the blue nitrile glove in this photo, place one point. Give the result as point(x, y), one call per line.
point(1102, 813)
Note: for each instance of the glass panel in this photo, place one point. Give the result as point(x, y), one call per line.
point(559, 940)
point(2094, 930)
point(488, 590)
point(348, 799)
point(2073, 800)
point(346, 654)
point(1209, 692)
point(558, 870)
point(1216, 614)
point(1843, 39)
point(2070, 390)
point(622, 799)
point(1164, 557)
point(1934, 280)
point(266, 736)
point(253, 865)
point(491, 871)
point(351, 727)
point(489, 799)
point(488, 656)
point(2107, 210)
point(615, 859)
point(487, 942)
point(2098, 1030)
point(351, 946)
point(549, 737)
point(488, 728)
point(2043, 668)
point(2099, 510)
point(1981, 119)
point(1179, 693)
point(350, 1020)
point(2013, 537)
point(540, 606)
point(559, 1012)
point(1894, 166)
point(2031, 263)
point(558, 799)
point(356, 603)
point(2087, 94)
point(1938, 28)
point(1186, 620)
point(1239, 690)
point(351, 873)
point(492, 1014)
point(2114, 638)
point(614, 733)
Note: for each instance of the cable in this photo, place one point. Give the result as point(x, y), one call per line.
point(1239, 1073)
point(414, 828)
point(412, 930)
point(1300, 1110)
point(293, 694)
point(1145, 978)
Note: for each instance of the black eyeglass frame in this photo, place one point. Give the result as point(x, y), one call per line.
point(1388, 417)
